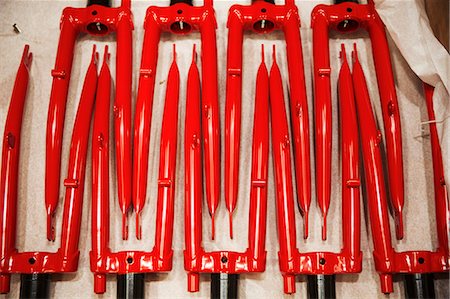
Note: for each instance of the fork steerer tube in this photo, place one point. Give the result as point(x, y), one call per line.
point(130, 286)
point(268, 1)
point(419, 286)
point(321, 286)
point(342, 1)
point(34, 286)
point(188, 2)
point(106, 3)
point(224, 286)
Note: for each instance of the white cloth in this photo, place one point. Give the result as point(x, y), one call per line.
point(408, 25)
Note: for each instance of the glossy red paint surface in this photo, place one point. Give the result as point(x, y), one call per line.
point(263, 17)
point(94, 20)
point(292, 261)
point(387, 261)
point(66, 257)
point(343, 18)
point(178, 19)
point(196, 260)
point(10, 165)
point(103, 261)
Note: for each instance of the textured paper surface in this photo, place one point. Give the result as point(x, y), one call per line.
point(39, 21)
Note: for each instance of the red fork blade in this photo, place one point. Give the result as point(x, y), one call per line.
point(323, 120)
point(299, 117)
point(10, 164)
point(350, 161)
point(260, 154)
point(74, 182)
point(440, 187)
point(143, 117)
point(122, 116)
point(373, 168)
point(100, 171)
point(167, 165)
point(283, 173)
point(55, 122)
point(391, 119)
point(193, 170)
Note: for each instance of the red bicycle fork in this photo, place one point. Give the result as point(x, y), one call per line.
point(417, 265)
point(179, 18)
point(98, 18)
point(263, 16)
point(36, 267)
point(224, 265)
point(345, 17)
point(319, 266)
point(130, 266)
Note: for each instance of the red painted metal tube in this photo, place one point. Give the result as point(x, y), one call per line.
point(193, 173)
point(260, 156)
point(179, 18)
point(102, 260)
point(94, 20)
point(371, 139)
point(100, 172)
point(167, 166)
point(196, 260)
point(283, 178)
point(351, 223)
point(142, 121)
point(66, 258)
point(264, 17)
point(10, 165)
point(440, 187)
point(74, 182)
point(348, 17)
point(322, 109)
point(122, 113)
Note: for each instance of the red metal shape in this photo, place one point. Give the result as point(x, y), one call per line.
point(103, 261)
point(348, 17)
point(387, 260)
point(66, 258)
point(94, 20)
point(179, 18)
point(264, 17)
point(196, 260)
point(292, 262)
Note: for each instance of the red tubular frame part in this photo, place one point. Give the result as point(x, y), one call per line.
point(66, 258)
point(263, 17)
point(196, 260)
point(179, 18)
point(103, 261)
point(347, 17)
point(292, 262)
point(387, 260)
point(95, 20)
